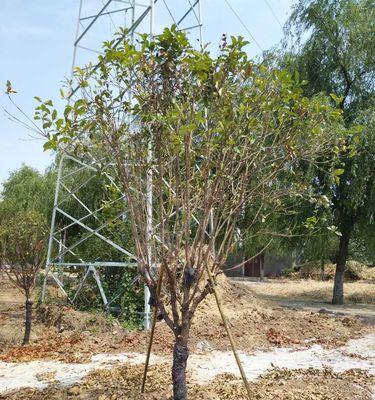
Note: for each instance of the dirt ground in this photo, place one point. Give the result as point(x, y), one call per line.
point(66, 334)
point(359, 292)
point(61, 333)
point(281, 384)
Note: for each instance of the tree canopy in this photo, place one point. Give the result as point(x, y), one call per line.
point(22, 253)
point(334, 53)
point(334, 44)
point(27, 190)
point(203, 136)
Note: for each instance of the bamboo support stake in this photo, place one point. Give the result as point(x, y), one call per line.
point(149, 347)
point(229, 333)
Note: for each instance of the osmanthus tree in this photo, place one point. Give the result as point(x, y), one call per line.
point(334, 52)
point(22, 253)
point(212, 134)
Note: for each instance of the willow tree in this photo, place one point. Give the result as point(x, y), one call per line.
point(27, 190)
point(334, 52)
point(210, 134)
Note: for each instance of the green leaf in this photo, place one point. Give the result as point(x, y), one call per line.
point(9, 88)
point(338, 172)
point(50, 145)
point(337, 99)
point(67, 111)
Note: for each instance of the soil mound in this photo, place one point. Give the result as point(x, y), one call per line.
point(355, 271)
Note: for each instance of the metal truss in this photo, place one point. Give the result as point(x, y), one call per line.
point(97, 21)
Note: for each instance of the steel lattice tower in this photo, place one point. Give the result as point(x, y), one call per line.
point(97, 21)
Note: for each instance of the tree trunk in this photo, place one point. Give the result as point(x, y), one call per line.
point(28, 307)
point(338, 288)
point(180, 356)
point(322, 270)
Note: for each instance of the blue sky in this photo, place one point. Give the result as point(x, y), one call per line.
point(36, 48)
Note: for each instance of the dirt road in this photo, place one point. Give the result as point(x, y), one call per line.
point(300, 295)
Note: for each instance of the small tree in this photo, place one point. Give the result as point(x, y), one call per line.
point(22, 253)
point(202, 137)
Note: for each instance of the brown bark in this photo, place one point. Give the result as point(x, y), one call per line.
point(338, 288)
point(28, 308)
point(149, 347)
point(180, 357)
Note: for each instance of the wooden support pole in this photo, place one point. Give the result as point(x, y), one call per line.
point(149, 346)
point(229, 333)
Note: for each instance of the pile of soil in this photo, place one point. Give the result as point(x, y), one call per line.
point(355, 271)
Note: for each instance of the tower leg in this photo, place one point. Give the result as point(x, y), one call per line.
point(81, 284)
point(99, 283)
point(52, 230)
point(44, 289)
